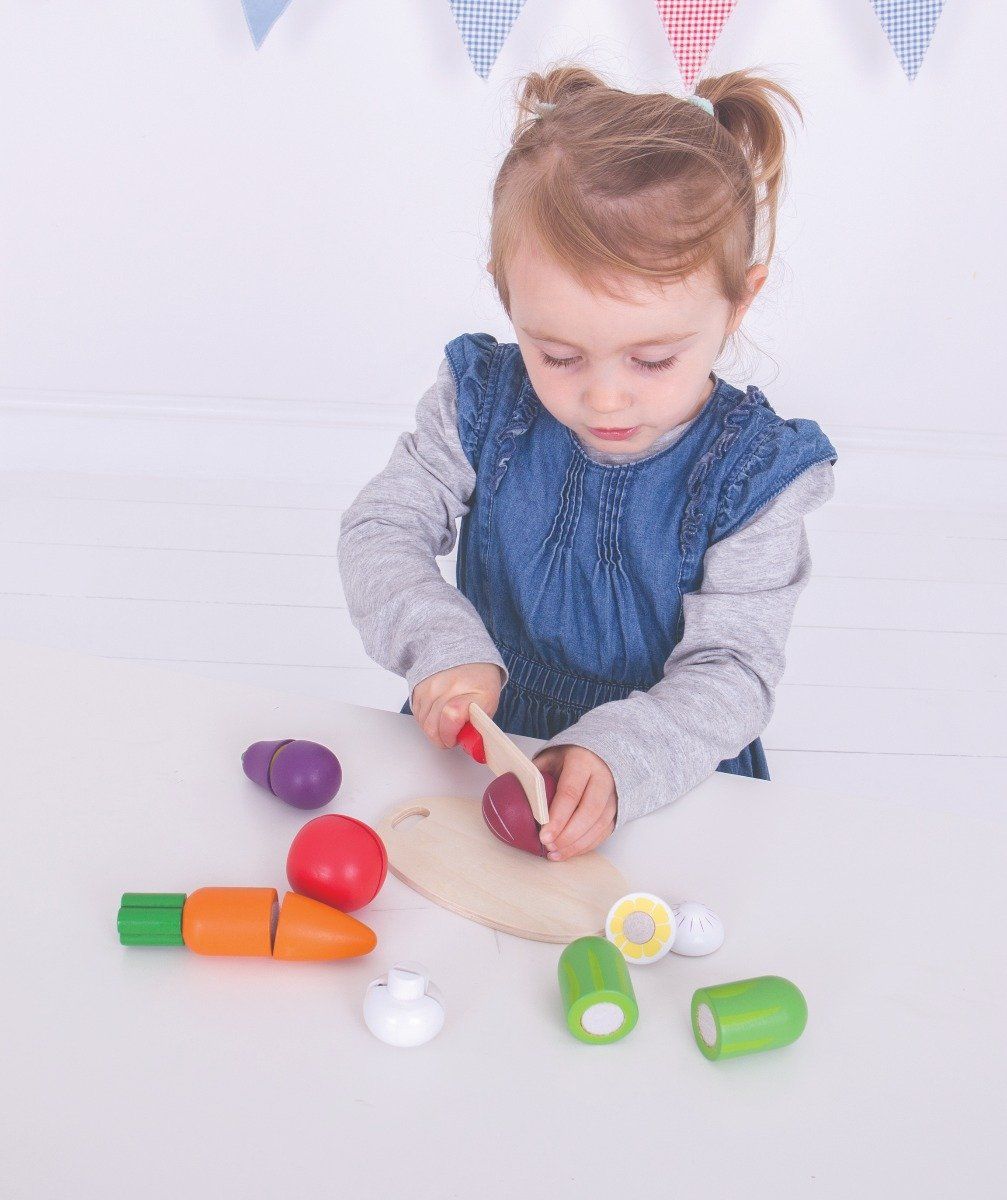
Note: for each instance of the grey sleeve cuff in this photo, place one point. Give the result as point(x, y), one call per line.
point(662, 743)
point(459, 655)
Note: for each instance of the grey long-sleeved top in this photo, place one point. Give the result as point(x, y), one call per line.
point(717, 691)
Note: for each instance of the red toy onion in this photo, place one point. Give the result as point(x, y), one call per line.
point(508, 814)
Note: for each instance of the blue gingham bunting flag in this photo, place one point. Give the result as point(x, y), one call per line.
point(909, 25)
point(484, 26)
point(261, 16)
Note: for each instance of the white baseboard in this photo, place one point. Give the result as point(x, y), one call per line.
point(958, 443)
point(234, 437)
point(240, 410)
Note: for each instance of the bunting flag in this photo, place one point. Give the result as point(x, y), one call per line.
point(261, 16)
point(484, 26)
point(692, 27)
point(909, 25)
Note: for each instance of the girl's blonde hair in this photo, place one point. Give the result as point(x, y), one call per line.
point(615, 184)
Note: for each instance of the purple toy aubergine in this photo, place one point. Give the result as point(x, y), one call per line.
point(304, 774)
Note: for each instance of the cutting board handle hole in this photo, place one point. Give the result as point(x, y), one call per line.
point(410, 816)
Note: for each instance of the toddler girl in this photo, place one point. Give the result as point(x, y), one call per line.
point(632, 539)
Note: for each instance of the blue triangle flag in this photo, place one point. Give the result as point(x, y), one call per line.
point(484, 26)
point(261, 16)
point(909, 25)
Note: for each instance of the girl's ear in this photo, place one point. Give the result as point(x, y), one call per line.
point(756, 277)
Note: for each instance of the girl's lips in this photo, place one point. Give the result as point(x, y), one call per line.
point(614, 435)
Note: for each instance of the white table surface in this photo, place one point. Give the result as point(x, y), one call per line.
point(150, 1072)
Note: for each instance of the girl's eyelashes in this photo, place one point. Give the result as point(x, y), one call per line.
point(663, 365)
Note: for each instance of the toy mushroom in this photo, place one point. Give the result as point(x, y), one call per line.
point(404, 1009)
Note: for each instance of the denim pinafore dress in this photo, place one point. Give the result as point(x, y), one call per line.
point(578, 568)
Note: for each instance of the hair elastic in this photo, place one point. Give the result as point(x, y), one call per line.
point(702, 102)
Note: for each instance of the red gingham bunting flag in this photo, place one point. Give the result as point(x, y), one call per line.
point(692, 27)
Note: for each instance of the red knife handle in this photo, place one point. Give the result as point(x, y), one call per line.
point(471, 739)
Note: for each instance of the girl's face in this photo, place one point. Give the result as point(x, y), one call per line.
point(619, 373)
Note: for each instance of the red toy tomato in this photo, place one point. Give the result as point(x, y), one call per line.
point(337, 860)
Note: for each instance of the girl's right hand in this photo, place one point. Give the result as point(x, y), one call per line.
point(440, 703)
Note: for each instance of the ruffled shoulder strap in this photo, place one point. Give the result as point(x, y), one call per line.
point(474, 360)
point(772, 455)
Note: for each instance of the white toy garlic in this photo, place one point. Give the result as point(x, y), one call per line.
point(698, 930)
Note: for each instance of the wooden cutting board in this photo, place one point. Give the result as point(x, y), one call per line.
point(450, 857)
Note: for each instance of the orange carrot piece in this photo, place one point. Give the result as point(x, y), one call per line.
point(308, 929)
point(229, 920)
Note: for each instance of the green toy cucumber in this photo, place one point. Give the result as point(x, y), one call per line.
point(745, 1017)
point(598, 996)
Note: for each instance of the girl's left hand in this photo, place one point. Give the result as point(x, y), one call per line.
point(582, 813)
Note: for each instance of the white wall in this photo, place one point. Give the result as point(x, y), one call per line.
point(188, 224)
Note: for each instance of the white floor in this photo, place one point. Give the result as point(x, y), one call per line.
point(895, 682)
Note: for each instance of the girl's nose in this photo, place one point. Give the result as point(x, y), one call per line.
point(606, 400)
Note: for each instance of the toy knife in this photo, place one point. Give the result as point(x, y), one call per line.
point(487, 743)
